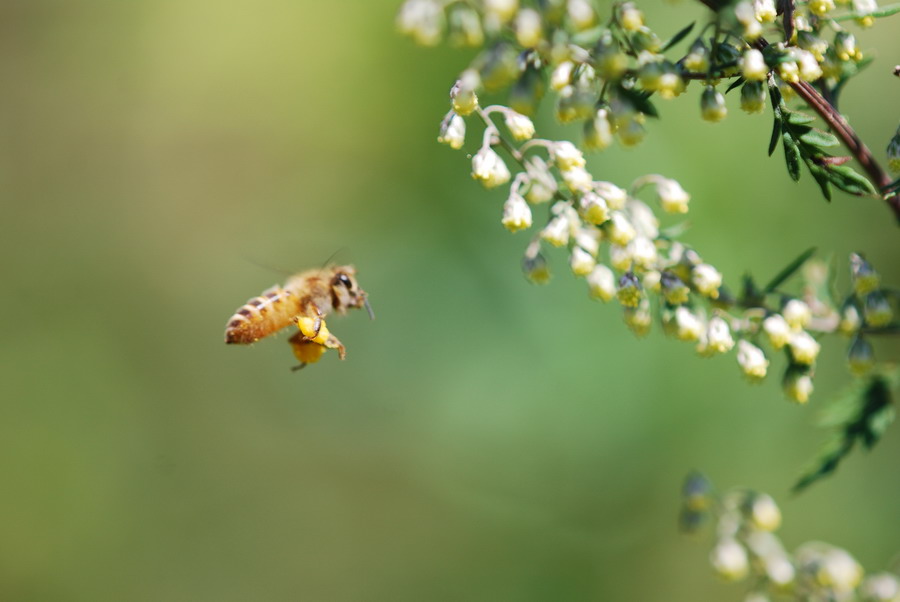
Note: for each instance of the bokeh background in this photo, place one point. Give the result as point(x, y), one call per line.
point(485, 440)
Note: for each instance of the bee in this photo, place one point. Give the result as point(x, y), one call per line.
point(304, 301)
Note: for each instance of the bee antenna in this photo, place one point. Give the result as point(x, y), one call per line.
point(368, 308)
point(332, 256)
point(266, 266)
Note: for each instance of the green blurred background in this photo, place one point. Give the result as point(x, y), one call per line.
point(485, 440)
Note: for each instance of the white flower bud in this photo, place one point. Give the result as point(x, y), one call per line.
point(557, 231)
point(798, 386)
point(601, 283)
point(753, 65)
point(541, 184)
point(462, 95)
point(489, 169)
point(839, 571)
point(453, 132)
point(779, 570)
point(789, 72)
point(672, 197)
point(581, 262)
point(850, 320)
point(566, 155)
point(422, 20)
point(638, 319)
point(804, 348)
point(730, 560)
point(620, 231)
point(632, 131)
point(593, 208)
point(529, 31)
point(630, 17)
point(764, 512)
point(707, 279)
point(880, 587)
point(562, 75)
point(797, 313)
point(778, 330)
point(501, 10)
point(598, 132)
point(614, 196)
point(808, 65)
point(643, 252)
point(712, 105)
point(753, 97)
point(752, 361)
point(620, 258)
point(520, 126)
point(589, 239)
point(516, 213)
point(643, 219)
point(581, 14)
point(845, 47)
point(746, 14)
point(718, 336)
point(697, 59)
point(765, 10)
point(651, 281)
point(578, 179)
point(688, 326)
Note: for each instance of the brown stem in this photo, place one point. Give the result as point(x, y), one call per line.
point(847, 135)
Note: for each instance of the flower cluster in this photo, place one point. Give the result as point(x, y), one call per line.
point(604, 69)
point(615, 243)
point(747, 549)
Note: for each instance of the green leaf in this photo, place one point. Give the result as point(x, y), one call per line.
point(776, 133)
point(640, 101)
point(734, 84)
point(818, 139)
point(821, 177)
point(849, 180)
point(797, 118)
point(678, 37)
point(789, 270)
point(861, 415)
point(791, 156)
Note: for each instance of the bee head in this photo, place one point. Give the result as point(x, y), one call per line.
point(345, 291)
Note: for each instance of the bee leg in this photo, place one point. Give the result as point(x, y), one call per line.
point(306, 351)
point(333, 343)
point(317, 320)
point(299, 367)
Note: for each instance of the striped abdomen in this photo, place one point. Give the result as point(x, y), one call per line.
point(261, 316)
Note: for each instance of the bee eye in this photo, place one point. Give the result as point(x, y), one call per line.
point(345, 280)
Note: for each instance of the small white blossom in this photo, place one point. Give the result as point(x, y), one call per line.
point(881, 587)
point(630, 17)
point(789, 72)
point(620, 231)
point(566, 155)
point(651, 281)
point(557, 231)
point(422, 20)
point(581, 262)
point(593, 208)
point(528, 28)
point(688, 326)
point(752, 361)
point(797, 313)
point(516, 213)
point(643, 252)
point(730, 560)
point(598, 132)
point(562, 75)
point(707, 279)
point(753, 65)
point(765, 10)
point(614, 196)
point(581, 14)
point(577, 179)
point(620, 258)
point(520, 126)
point(712, 105)
point(718, 336)
point(778, 330)
point(839, 571)
point(797, 386)
point(808, 65)
point(489, 169)
point(643, 219)
point(672, 197)
point(601, 283)
point(820, 7)
point(746, 14)
point(462, 95)
point(804, 348)
point(501, 10)
point(764, 512)
point(638, 319)
point(453, 132)
point(541, 184)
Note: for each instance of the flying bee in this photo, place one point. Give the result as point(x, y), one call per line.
point(304, 301)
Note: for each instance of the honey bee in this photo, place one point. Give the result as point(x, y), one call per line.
point(304, 301)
